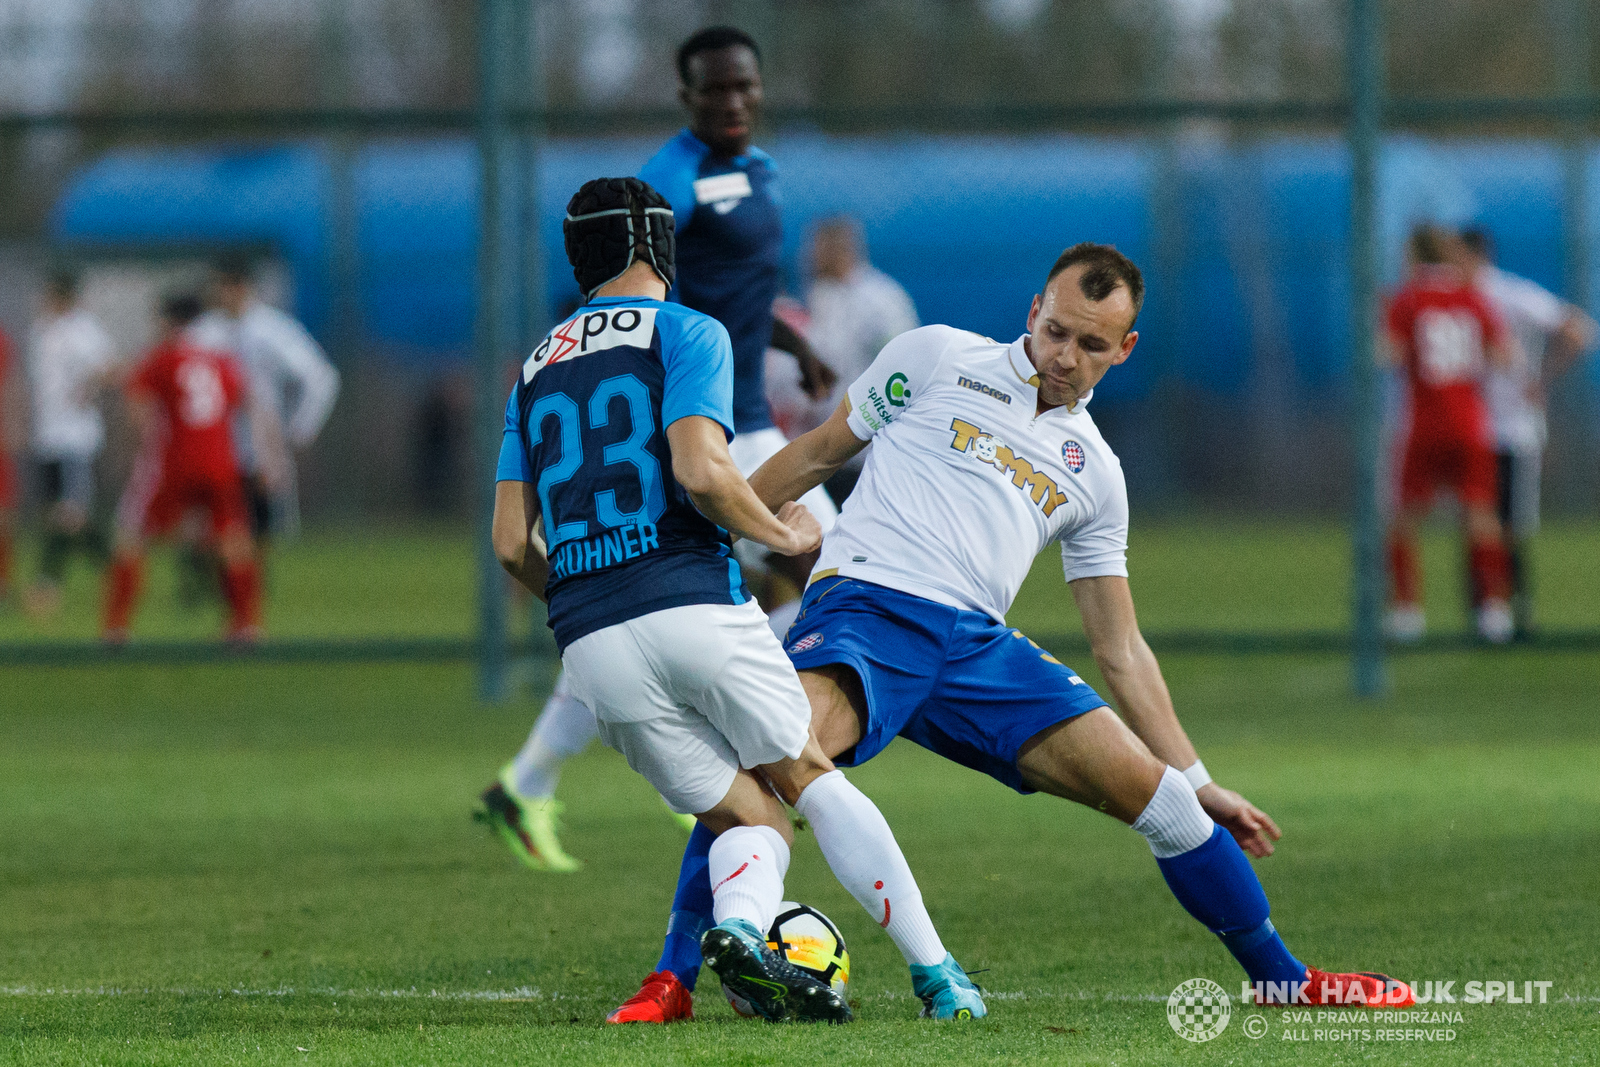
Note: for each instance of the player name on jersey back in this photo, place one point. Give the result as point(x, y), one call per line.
point(586, 428)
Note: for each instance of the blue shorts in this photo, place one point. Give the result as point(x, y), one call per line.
point(955, 682)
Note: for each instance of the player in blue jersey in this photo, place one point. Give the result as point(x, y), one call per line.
point(984, 453)
point(615, 501)
point(729, 237)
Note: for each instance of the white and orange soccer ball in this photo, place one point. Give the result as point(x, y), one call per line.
point(808, 939)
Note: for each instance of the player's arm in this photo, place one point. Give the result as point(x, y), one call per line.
point(517, 543)
point(702, 465)
point(316, 380)
point(1575, 336)
point(1134, 677)
point(816, 377)
point(808, 460)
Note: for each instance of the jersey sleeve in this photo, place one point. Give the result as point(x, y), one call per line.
point(142, 382)
point(895, 377)
point(1494, 327)
point(698, 358)
point(513, 465)
point(671, 173)
point(1099, 547)
point(1538, 305)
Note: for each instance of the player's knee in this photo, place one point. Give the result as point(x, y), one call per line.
point(1173, 820)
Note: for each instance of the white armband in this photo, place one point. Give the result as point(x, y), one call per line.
point(1197, 775)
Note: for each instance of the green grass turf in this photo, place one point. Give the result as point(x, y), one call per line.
point(1221, 573)
point(232, 863)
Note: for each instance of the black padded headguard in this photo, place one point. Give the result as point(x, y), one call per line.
point(611, 222)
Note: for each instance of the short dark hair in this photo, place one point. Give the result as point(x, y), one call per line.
point(1107, 269)
point(63, 285)
point(1429, 244)
point(180, 309)
point(713, 39)
point(1478, 241)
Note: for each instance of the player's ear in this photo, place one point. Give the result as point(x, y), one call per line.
point(1128, 341)
point(1033, 311)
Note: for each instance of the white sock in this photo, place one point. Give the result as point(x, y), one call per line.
point(865, 857)
point(564, 728)
point(747, 865)
point(782, 617)
point(1174, 822)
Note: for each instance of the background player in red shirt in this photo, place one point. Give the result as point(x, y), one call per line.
point(183, 399)
point(1444, 336)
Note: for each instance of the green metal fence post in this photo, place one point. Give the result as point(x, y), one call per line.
point(490, 334)
point(1574, 397)
point(1366, 115)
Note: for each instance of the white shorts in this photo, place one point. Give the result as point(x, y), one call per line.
point(689, 695)
point(751, 450)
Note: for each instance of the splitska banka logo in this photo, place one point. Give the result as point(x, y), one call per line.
point(988, 449)
point(593, 331)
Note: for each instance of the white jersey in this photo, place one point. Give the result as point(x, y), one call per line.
point(65, 355)
point(1531, 313)
point(964, 484)
point(852, 319)
point(287, 368)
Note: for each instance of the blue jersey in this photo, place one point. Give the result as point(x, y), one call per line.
point(586, 424)
point(730, 239)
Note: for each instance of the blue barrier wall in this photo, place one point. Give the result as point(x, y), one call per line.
point(1244, 240)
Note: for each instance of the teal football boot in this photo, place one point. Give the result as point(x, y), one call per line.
point(946, 992)
point(774, 988)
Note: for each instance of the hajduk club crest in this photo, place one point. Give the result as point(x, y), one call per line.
point(1072, 453)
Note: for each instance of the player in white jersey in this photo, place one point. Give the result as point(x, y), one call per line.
point(70, 361)
point(286, 366)
point(983, 454)
point(1551, 334)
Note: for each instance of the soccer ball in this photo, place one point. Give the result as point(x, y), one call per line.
point(808, 939)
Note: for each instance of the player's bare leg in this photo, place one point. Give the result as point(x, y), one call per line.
point(1096, 760)
point(123, 581)
point(1406, 621)
point(241, 583)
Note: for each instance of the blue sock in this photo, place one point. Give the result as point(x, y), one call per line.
point(691, 910)
point(1216, 884)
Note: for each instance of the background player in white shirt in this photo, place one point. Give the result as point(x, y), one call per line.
point(287, 368)
point(1551, 334)
point(983, 454)
point(70, 362)
point(855, 309)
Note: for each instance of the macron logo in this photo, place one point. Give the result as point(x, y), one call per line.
point(593, 331)
point(986, 390)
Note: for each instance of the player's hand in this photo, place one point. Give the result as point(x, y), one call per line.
point(806, 531)
point(816, 377)
point(1250, 826)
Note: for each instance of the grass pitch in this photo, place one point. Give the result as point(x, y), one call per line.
point(256, 863)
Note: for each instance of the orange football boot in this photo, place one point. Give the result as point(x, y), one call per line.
point(661, 999)
point(1362, 989)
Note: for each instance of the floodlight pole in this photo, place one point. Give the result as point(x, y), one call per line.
point(490, 333)
point(1366, 116)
